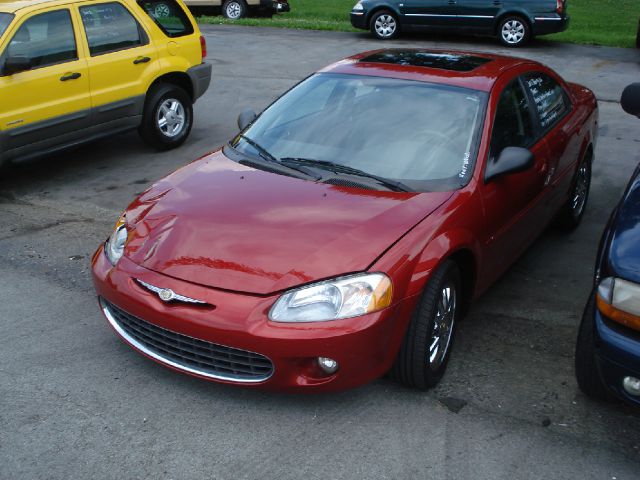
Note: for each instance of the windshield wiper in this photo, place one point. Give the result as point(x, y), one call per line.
point(263, 152)
point(268, 161)
point(345, 169)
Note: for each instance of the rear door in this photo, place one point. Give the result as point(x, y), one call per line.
point(122, 59)
point(477, 14)
point(50, 97)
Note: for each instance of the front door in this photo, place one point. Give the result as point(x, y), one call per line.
point(429, 12)
point(50, 96)
point(122, 60)
point(513, 203)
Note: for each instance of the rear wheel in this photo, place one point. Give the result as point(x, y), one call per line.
point(573, 210)
point(587, 374)
point(423, 356)
point(514, 31)
point(167, 117)
point(384, 25)
point(234, 9)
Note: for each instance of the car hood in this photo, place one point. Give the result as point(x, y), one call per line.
point(225, 225)
point(624, 249)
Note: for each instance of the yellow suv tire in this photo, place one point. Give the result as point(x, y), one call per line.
point(167, 118)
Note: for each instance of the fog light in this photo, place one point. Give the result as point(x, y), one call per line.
point(631, 385)
point(328, 365)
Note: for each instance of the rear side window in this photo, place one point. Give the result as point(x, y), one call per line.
point(5, 20)
point(110, 27)
point(44, 39)
point(512, 126)
point(550, 100)
point(169, 16)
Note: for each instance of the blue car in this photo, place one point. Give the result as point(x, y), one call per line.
point(607, 360)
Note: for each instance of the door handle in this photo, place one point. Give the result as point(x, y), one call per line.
point(141, 60)
point(70, 76)
point(497, 2)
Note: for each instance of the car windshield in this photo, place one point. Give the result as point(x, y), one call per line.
point(5, 20)
point(421, 134)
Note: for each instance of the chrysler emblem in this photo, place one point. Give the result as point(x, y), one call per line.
point(166, 294)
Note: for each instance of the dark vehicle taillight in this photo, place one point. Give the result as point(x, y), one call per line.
point(203, 47)
point(559, 6)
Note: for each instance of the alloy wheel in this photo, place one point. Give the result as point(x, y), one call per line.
point(580, 191)
point(513, 32)
point(171, 117)
point(442, 326)
point(385, 26)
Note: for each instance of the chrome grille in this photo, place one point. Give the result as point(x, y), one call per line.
point(187, 353)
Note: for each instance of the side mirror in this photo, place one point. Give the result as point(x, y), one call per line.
point(630, 100)
point(510, 160)
point(245, 118)
point(16, 64)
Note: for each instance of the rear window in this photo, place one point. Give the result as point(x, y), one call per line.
point(169, 16)
point(5, 20)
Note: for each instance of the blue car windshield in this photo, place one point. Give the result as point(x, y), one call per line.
point(421, 134)
point(5, 20)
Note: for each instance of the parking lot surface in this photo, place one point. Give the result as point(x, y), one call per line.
point(75, 402)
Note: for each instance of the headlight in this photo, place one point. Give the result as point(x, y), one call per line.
point(114, 247)
point(334, 299)
point(619, 300)
point(358, 7)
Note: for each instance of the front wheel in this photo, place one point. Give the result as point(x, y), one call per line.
point(384, 25)
point(423, 356)
point(514, 31)
point(167, 117)
point(586, 369)
point(234, 9)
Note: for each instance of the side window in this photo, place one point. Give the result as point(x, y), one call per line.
point(169, 16)
point(110, 27)
point(512, 126)
point(549, 97)
point(44, 39)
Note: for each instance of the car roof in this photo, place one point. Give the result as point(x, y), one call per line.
point(11, 6)
point(477, 71)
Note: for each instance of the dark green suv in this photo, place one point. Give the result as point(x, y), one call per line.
point(514, 22)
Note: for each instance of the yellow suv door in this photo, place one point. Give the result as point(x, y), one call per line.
point(122, 59)
point(44, 82)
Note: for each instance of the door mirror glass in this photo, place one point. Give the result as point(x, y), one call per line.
point(245, 118)
point(511, 160)
point(630, 100)
point(16, 64)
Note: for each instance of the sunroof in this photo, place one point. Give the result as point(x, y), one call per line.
point(444, 61)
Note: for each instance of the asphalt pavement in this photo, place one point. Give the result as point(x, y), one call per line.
point(75, 402)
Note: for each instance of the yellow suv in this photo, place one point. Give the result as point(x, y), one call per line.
point(72, 71)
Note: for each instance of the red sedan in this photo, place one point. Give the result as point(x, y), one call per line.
point(344, 231)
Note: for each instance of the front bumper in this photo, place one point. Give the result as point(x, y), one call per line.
point(618, 355)
point(200, 76)
point(549, 23)
point(359, 19)
point(364, 347)
point(275, 6)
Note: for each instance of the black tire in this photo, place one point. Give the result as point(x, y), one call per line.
point(586, 369)
point(384, 25)
point(415, 366)
point(514, 31)
point(234, 9)
point(572, 211)
point(151, 131)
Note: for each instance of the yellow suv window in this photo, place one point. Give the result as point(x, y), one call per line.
point(110, 27)
point(44, 39)
point(169, 16)
point(5, 20)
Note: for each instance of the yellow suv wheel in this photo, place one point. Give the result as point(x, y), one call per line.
point(167, 117)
